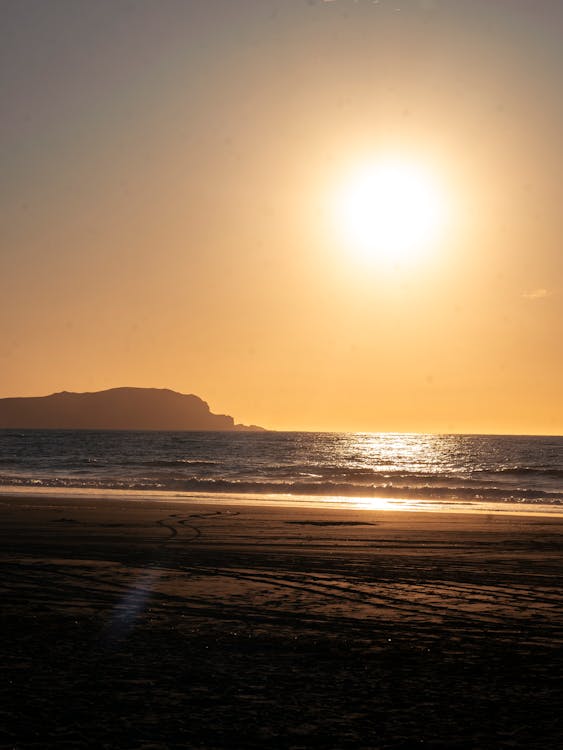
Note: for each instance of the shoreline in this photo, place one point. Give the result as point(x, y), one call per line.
point(271, 500)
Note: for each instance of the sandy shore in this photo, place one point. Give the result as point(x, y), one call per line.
point(175, 625)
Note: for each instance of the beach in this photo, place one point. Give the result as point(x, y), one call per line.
point(138, 623)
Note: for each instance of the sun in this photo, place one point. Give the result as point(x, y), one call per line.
point(390, 209)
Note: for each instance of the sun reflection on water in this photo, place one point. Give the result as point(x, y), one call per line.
point(391, 451)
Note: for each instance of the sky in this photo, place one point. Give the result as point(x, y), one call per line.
point(172, 181)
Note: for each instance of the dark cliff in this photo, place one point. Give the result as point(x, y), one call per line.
point(115, 409)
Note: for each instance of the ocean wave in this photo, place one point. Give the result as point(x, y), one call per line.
point(166, 463)
point(209, 485)
point(548, 472)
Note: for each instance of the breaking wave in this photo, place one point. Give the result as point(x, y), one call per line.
point(317, 489)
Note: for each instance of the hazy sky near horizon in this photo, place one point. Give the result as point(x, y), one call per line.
point(168, 215)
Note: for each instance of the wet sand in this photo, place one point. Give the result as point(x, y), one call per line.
point(175, 625)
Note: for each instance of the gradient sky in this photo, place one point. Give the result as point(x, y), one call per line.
point(167, 168)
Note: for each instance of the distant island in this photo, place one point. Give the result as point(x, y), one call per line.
point(116, 409)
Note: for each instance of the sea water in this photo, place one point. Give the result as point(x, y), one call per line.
point(457, 470)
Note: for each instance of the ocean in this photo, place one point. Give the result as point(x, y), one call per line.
point(364, 469)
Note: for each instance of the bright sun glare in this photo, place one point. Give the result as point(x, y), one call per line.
point(390, 210)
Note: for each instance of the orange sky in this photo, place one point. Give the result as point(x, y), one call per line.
point(168, 220)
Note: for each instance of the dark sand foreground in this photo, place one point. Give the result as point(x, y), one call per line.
point(174, 625)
